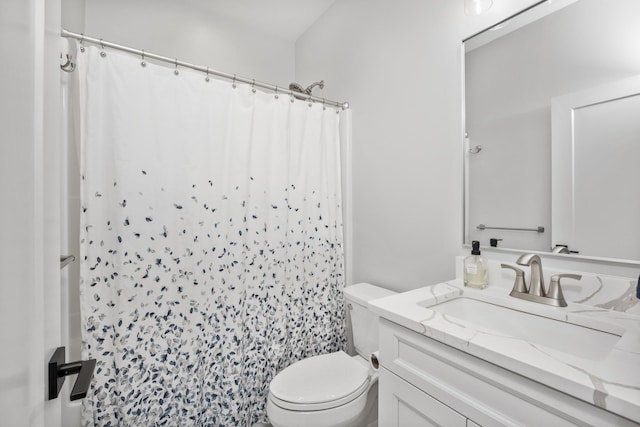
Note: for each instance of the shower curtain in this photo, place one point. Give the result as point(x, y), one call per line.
point(211, 241)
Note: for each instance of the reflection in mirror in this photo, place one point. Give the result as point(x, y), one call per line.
point(512, 76)
point(595, 150)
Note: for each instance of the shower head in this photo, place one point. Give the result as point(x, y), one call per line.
point(298, 88)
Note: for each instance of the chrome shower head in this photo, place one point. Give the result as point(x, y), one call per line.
point(298, 88)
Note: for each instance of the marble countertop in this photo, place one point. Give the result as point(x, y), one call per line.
point(612, 382)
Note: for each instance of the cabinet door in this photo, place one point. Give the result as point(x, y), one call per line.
point(403, 405)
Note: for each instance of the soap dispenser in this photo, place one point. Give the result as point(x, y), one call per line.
point(475, 268)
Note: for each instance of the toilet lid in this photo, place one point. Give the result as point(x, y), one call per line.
point(325, 381)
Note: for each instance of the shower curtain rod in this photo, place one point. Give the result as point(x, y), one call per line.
point(207, 70)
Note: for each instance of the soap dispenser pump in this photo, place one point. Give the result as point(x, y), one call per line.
point(475, 268)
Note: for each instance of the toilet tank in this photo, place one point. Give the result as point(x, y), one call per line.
point(364, 323)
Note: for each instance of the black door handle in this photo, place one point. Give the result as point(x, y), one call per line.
point(58, 370)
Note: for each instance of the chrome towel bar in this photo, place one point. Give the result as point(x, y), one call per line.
point(539, 229)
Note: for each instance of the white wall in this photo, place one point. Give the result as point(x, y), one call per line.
point(73, 15)
point(186, 30)
point(399, 65)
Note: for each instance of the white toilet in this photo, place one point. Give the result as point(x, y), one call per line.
point(333, 390)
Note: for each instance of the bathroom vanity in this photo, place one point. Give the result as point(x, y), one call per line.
point(461, 357)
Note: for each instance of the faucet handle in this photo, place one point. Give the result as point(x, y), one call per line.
point(555, 290)
point(519, 285)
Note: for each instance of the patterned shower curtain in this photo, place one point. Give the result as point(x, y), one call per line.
point(211, 242)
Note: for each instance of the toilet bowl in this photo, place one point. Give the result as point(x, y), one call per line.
point(328, 390)
point(332, 390)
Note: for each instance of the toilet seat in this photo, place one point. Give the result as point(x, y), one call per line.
point(320, 382)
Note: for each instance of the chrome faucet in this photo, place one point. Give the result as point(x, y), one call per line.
point(536, 286)
point(536, 291)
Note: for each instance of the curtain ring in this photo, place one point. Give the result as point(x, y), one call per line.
point(143, 63)
point(324, 105)
point(233, 84)
point(253, 86)
point(206, 79)
point(176, 72)
point(103, 53)
point(276, 93)
point(82, 43)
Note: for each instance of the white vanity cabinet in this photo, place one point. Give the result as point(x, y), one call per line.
point(424, 382)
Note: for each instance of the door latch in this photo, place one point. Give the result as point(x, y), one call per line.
point(58, 370)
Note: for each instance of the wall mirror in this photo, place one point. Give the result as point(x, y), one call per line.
point(552, 121)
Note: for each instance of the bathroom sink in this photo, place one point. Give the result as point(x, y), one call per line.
point(569, 338)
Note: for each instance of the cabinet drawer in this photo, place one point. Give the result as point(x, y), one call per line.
point(403, 405)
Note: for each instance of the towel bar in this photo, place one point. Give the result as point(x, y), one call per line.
point(539, 229)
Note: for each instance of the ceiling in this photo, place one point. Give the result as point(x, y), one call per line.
point(286, 19)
